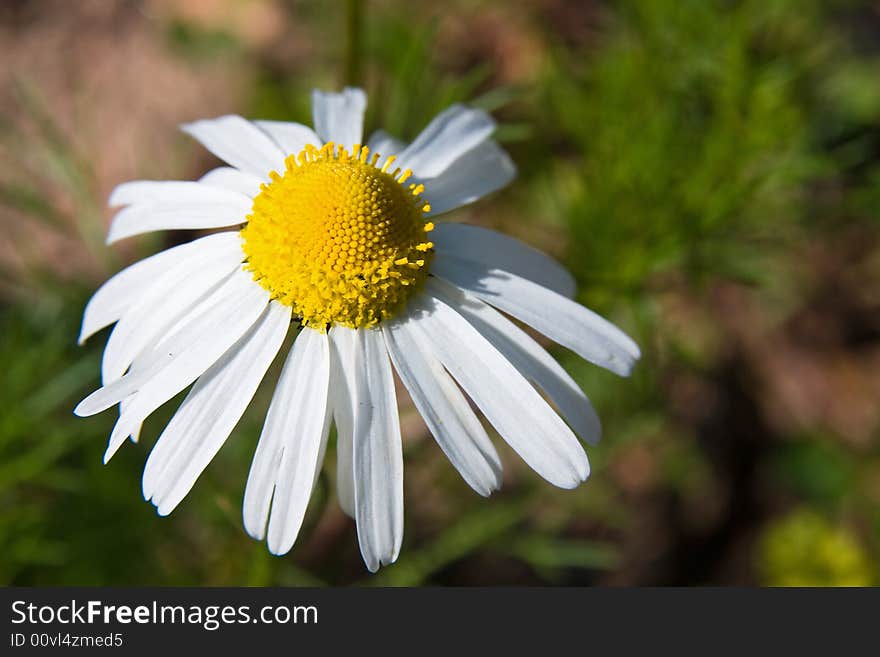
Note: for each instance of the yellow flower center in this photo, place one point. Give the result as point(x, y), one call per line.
point(338, 239)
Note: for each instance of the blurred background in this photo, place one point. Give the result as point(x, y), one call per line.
point(708, 169)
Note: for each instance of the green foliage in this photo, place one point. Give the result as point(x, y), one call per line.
point(470, 532)
point(404, 67)
point(805, 549)
point(689, 129)
point(820, 472)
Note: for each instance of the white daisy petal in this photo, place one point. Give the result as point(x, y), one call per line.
point(178, 338)
point(277, 432)
point(180, 332)
point(239, 143)
point(172, 192)
point(475, 174)
point(509, 402)
point(344, 469)
point(233, 180)
point(490, 249)
point(116, 295)
point(286, 462)
point(451, 134)
point(290, 137)
point(527, 356)
point(342, 385)
point(444, 409)
point(120, 391)
point(339, 117)
point(151, 360)
point(384, 144)
point(211, 410)
point(239, 302)
point(378, 455)
point(293, 442)
point(177, 215)
point(560, 319)
point(172, 294)
point(136, 432)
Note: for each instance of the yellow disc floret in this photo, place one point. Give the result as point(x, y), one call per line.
point(339, 239)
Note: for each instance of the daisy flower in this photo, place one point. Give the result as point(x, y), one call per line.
point(335, 239)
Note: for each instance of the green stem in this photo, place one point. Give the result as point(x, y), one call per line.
point(353, 22)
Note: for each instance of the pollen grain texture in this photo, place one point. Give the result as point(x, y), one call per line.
point(339, 239)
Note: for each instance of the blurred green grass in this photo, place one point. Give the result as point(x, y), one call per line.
point(697, 164)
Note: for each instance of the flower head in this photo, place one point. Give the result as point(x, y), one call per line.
point(336, 239)
point(339, 239)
